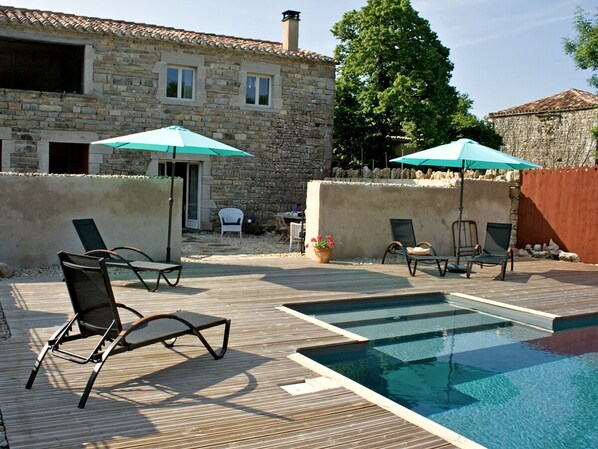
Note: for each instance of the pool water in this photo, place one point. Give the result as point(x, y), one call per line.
point(497, 382)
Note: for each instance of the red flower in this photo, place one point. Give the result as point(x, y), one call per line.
point(321, 243)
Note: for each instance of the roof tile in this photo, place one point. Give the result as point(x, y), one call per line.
point(49, 20)
point(569, 100)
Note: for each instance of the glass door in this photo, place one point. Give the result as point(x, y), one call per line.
point(193, 195)
point(190, 173)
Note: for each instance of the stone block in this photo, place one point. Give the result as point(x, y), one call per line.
point(6, 271)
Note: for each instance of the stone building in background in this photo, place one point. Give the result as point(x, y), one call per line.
point(554, 132)
point(67, 80)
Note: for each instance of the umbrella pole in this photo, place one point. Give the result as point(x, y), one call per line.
point(455, 267)
point(170, 203)
point(460, 212)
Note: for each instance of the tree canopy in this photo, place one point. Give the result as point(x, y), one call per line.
point(392, 82)
point(465, 124)
point(584, 46)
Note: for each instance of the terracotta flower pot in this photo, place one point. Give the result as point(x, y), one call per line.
point(323, 255)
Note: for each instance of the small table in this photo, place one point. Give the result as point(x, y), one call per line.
point(284, 219)
point(291, 216)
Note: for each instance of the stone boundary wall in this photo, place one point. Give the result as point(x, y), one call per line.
point(557, 139)
point(35, 223)
point(357, 214)
point(397, 174)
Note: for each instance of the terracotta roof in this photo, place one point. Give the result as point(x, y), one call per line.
point(570, 100)
point(57, 21)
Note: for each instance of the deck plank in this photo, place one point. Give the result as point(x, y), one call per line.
point(157, 397)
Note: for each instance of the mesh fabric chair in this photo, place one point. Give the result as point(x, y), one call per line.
point(97, 318)
point(404, 245)
point(496, 250)
point(231, 220)
point(94, 246)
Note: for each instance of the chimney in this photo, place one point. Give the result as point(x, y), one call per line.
point(290, 30)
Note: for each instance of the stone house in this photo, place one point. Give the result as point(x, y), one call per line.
point(68, 80)
point(554, 132)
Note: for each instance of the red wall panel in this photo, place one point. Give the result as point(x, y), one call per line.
point(561, 205)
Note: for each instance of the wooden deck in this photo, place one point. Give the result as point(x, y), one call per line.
point(182, 398)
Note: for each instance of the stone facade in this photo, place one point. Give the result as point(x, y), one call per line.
point(124, 92)
point(553, 132)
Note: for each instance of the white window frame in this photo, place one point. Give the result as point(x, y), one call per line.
point(186, 61)
point(179, 94)
point(263, 70)
point(256, 102)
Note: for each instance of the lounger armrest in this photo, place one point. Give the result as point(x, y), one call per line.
point(131, 248)
point(101, 252)
point(110, 254)
point(399, 245)
point(130, 309)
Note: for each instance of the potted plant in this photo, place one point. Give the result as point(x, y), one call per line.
point(322, 247)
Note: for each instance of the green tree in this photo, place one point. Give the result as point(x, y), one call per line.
point(392, 81)
point(584, 50)
point(466, 124)
point(584, 46)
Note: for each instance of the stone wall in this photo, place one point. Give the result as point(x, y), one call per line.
point(291, 142)
point(552, 140)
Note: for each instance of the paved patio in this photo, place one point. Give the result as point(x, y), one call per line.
point(155, 397)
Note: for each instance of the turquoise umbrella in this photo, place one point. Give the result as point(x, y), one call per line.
point(465, 154)
point(169, 140)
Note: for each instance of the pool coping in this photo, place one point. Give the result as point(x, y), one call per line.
point(543, 320)
point(387, 404)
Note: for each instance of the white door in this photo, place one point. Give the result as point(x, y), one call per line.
point(193, 196)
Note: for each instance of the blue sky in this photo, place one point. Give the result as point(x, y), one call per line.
point(506, 52)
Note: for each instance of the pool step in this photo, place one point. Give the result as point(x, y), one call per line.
point(461, 345)
point(458, 318)
point(395, 312)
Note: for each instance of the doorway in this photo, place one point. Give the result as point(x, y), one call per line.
point(68, 158)
point(191, 205)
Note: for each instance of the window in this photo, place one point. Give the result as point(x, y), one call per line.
point(258, 90)
point(181, 79)
point(179, 82)
point(41, 66)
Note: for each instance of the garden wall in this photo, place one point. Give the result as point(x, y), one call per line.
point(357, 214)
point(37, 210)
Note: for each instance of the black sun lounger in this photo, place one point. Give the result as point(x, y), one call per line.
point(96, 317)
point(404, 244)
point(497, 249)
point(94, 246)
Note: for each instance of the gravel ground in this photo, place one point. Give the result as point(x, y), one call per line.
point(197, 246)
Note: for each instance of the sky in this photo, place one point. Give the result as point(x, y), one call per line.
point(506, 52)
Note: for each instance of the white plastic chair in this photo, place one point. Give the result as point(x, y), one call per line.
point(231, 220)
point(295, 234)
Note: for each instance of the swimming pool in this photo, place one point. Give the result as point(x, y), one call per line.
point(497, 382)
